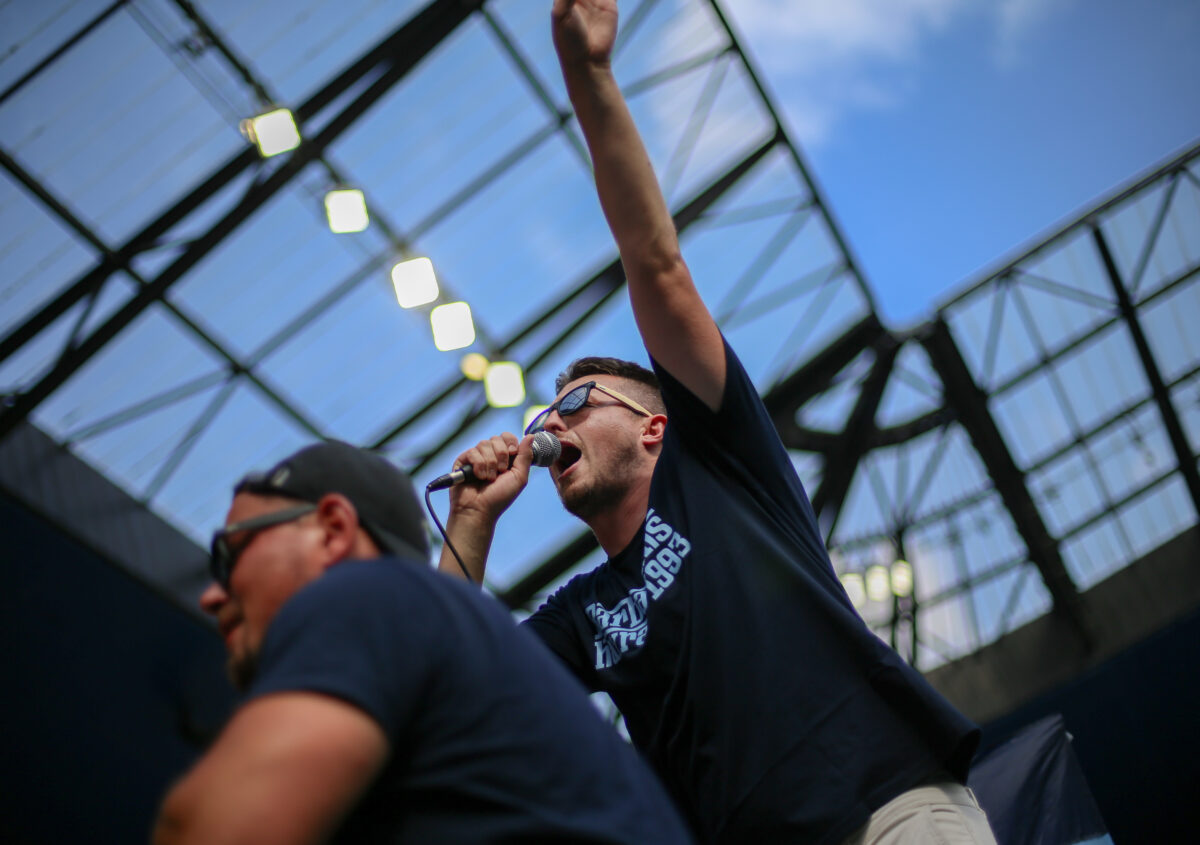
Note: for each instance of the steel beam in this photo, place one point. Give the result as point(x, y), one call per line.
point(553, 567)
point(403, 47)
point(62, 48)
point(784, 400)
point(842, 461)
point(1185, 457)
point(420, 35)
point(969, 403)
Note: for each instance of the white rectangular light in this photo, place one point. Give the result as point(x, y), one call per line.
point(504, 385)
point(474, 366)
point(531, 412)
point(414, 282)
point(274, 132)
point(346, 210)
point(452, 326)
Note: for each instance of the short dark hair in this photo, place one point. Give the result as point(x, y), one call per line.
point(649, 391)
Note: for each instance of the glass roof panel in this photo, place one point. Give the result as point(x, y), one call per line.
point(516, 246)
point(1100, 378)
point(913, 389)
point(1170, 325)
point(441, 128)
point(269, 271)
point(993, 334)
point(299, 45)
point(242, 431)
point(38, 252)
point(116, 379)
point(278, 331)
point(1032, 419)
point(355, 363)
point(1157, 515)
point(126, 130)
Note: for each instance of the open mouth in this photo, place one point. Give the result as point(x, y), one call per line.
point(570, 454)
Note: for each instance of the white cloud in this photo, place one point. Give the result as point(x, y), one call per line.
point(824, 59)
point(827, 58)
point(1016, 20)
point(816, 35)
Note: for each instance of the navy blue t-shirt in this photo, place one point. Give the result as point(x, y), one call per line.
point(724, 636)
point(490, 739)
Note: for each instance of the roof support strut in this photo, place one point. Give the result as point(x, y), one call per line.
point(970, 405)
point(397, 55)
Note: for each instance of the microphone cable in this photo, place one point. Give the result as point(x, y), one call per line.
point(546, 450)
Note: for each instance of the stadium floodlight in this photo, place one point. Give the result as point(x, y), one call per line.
point(853, 584)
point(474, 366)
point(878, 583)
point(531, 412)
point(346, 210)
point(273, 133)
point(902, 578)
point(414, 282)
point(504, 385)
point(452, 325)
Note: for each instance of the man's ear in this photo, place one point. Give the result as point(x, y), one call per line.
point(343, 537)
point(339, 527)
point(653, 429)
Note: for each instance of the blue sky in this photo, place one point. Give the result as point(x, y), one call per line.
point(946, 133)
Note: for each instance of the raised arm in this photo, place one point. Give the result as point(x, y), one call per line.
point(287, 769)
point(675, 325)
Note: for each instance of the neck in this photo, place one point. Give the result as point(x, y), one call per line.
point(617, 526)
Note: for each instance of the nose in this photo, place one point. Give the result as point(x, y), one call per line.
point(213, 598)
point(554, 422)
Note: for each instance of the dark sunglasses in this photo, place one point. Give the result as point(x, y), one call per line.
point(576, 399)
point(223, 554)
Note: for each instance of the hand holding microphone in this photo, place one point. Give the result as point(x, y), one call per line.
point(503, 467)
point(545, 447)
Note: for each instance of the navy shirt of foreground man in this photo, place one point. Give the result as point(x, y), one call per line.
point(372, 712)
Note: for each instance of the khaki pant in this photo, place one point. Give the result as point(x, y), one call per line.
point(943, 813)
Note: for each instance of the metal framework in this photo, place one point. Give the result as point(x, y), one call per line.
point(175, 313)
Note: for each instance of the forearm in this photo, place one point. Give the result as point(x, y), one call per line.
point(287, 769)
point(187, 818)
point(629, 194)
point(471, 537)
point(674, 323)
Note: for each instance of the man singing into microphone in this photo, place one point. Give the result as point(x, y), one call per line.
point(717, 624)
point(386, 702)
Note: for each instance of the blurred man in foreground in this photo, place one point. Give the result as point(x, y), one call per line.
point(372, 712)
point(717, 624)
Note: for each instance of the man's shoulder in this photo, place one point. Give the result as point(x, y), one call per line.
point(364, 575)
point(363, 587)
point(578, 589)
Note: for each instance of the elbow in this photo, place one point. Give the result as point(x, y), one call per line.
point(663, 266)
point(174, 820)
point(168, 830)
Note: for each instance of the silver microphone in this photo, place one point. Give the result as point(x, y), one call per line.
point(546, 449)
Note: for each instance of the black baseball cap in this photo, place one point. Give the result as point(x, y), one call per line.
point(381, 492)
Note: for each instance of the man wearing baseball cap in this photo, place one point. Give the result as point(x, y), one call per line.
point(371, 711)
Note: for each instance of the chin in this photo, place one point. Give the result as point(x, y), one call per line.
point(574, 500)
point(241, 670)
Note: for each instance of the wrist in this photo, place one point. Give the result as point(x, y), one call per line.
point(471, 518)
point(586, 72)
